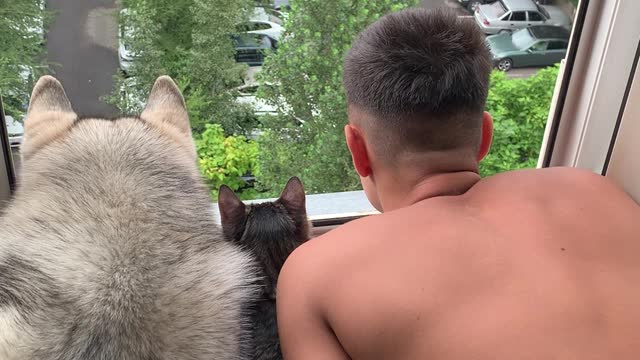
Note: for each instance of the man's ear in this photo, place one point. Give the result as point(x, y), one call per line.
point(293, 196)
point(358, 149)
point(487, 136)
point(48, 116)
point(166, 110)
point(232, 213)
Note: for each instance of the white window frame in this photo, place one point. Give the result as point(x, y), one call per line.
point(591, 88)
point(622, 164)
point(7, 176)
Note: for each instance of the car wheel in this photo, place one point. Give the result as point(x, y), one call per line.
point(473, 5)
point(505, 64)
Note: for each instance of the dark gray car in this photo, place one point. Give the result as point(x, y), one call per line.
point(533, 46)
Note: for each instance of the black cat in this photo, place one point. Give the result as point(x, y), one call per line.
point(271, 231)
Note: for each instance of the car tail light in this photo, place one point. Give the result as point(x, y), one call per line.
point(486, 22)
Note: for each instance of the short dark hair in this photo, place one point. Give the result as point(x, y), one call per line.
point(423, 76)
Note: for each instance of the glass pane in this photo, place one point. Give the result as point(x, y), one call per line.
point(519, 16)
point(266, 77)
point(534, 16)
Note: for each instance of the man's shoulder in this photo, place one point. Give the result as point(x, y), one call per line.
point(550, 181)
point(324, 257)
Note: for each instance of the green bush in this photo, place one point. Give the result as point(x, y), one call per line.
point(519, 108)
point(224, 160)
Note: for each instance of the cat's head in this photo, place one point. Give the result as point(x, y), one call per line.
point(271, 230)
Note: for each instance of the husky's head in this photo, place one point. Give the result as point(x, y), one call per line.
point(50, 115)
point(51, 123)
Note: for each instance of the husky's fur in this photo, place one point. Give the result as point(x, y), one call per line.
point(109, 249)
point(271, 231)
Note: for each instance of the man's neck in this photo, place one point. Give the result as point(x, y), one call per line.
point(397, 194)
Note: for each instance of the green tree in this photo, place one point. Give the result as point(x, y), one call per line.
point(519, 108)
point(306, 139)
point(21, 52)
point(190, 41)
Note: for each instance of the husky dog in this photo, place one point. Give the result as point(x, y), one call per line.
point(271, 231)
point(109, 249)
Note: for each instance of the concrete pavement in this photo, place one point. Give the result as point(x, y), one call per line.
point(82, 51)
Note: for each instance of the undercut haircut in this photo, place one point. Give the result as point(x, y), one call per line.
point(421, 77)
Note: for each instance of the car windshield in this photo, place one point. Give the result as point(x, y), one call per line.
point(496, 9)
point(522, 39)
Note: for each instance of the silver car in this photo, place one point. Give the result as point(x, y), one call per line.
point(510, 15)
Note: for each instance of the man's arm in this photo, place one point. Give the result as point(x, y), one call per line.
point(304, 330)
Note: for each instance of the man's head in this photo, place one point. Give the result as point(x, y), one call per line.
point(416, 84)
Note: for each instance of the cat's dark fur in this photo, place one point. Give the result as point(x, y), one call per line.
point(271, 231)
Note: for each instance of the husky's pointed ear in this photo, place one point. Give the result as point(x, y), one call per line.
point(48, 116)
point(232, 213)
point(166, 106)
point(293, 196)
point(48, 95)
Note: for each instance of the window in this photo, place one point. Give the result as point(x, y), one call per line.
point(518, 16)
point(211, 56)
point(557, 45)
point(534, 16)
point(253, 26)
point(539, 46)
point(522, 39)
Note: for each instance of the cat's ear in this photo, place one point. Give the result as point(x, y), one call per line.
point(293, 196)
point(232, 213)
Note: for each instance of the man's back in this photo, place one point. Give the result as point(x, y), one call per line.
point(535, 264)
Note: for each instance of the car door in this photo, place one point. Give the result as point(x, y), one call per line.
point(518, 20)
point(535, 54)
point(534, 18)
point(556, 51)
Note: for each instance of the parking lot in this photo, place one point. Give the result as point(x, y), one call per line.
point(82, 46)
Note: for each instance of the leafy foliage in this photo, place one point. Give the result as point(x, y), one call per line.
point(190, 41)
point(225, 160)
point(305, 84)
point(519, 108)
point(21, 48)
point(306, 139)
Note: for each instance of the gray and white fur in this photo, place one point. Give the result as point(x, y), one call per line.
point(109, 249)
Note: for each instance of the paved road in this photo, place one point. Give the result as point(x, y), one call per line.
point(81, 47)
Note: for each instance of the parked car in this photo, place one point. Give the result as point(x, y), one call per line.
point(37, 28)
point(126, 32)
point(246, 94)
point(512, 15)
point(541, 45)
point(472, 5)
point(15, 130)
point(260, 22)
point(281, 9)
point(250, 47)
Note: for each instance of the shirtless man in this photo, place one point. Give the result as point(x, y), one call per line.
point(533, 264)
